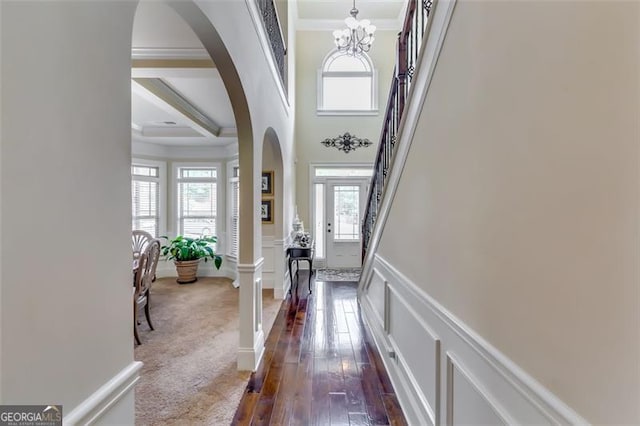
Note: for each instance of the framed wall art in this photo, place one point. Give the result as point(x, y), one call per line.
point(266, 211)
point(267, 182)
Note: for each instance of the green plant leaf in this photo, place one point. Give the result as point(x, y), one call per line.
point(185, 248)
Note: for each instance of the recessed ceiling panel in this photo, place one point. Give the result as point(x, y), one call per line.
point(144, 112)
point(208, 95)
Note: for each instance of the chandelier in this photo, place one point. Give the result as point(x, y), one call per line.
point(357, 37)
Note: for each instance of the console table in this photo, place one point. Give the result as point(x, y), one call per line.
point(297, 253)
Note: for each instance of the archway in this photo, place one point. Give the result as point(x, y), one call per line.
point(251, 345)
point(273, 231)
point(251, 337)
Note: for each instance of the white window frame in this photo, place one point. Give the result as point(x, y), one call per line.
point(230, 181)
point(313, 179)
point(162, 188)
point(321, 110)
point(175, 179)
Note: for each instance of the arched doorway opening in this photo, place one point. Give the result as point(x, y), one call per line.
point(210, 47)
point(274, 233)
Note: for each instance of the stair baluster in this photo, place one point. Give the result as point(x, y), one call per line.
point(407, 53)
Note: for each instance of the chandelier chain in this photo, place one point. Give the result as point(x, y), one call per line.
point(357, 37)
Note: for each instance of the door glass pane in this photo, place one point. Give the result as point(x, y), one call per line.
point(346, 203)
point(318, 226)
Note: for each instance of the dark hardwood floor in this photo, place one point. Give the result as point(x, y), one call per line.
point(320, 365)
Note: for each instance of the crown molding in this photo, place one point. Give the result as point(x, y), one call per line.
point(159, 53)
point(173, 63)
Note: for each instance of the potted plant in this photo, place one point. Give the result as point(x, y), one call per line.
point(186, 254)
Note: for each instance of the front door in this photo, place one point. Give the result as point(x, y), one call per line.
point(344, 209)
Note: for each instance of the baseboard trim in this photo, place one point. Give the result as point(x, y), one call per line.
point(250, 358)
point(281, 292)
point(101, 401)
point(414, 411)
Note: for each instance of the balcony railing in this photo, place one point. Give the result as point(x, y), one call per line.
point(408, 50)
point(274, 32)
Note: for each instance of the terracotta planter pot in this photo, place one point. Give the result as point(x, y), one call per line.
point(187, 270)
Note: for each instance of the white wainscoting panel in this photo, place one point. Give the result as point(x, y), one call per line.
point(376, 294)
point(443, 371)
point(269, 268)
point(417, 350)
point(468, 401)
point(113, 403)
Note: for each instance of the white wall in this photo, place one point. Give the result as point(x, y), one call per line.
point(273, 247)
point(311, 129)
point(1, 139)
point(66, 318)
point(518, 205)
point(272, 162)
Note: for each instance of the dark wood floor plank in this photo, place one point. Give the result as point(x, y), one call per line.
point(320, 404)
point(341, 318)
point(373, 399)
point(347, 305)
point(282, 408)
point(330, 327)
point(339, 413)
point(304, 391)
point(352, 382)
point(320, 366)
point(358, 419)
point(306, 345)
point(293, 352)
point(264, 407)
point(359, 348)
point(257, 378)
point(244, 413)
point(335, 376)
point(394, 412)
point(376, 361)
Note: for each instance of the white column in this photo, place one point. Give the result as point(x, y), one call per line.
point(281, 281)
point(251, 347)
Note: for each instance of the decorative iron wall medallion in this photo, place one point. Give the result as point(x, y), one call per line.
point(346, 142)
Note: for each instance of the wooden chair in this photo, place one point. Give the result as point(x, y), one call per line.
point(139, 241)
point(137, 281)
point(148, 261)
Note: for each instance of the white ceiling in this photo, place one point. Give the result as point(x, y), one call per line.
point(160, 35)
point(330, 14)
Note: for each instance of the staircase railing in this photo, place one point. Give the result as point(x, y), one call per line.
point(408, 50)
point(274, 32)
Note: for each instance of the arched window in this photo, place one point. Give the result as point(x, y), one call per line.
point(347, 85)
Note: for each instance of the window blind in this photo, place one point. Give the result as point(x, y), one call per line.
point(197, 201)
point(145, 193)
point(234, 237)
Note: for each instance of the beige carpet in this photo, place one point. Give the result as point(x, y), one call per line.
point(189, 374)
